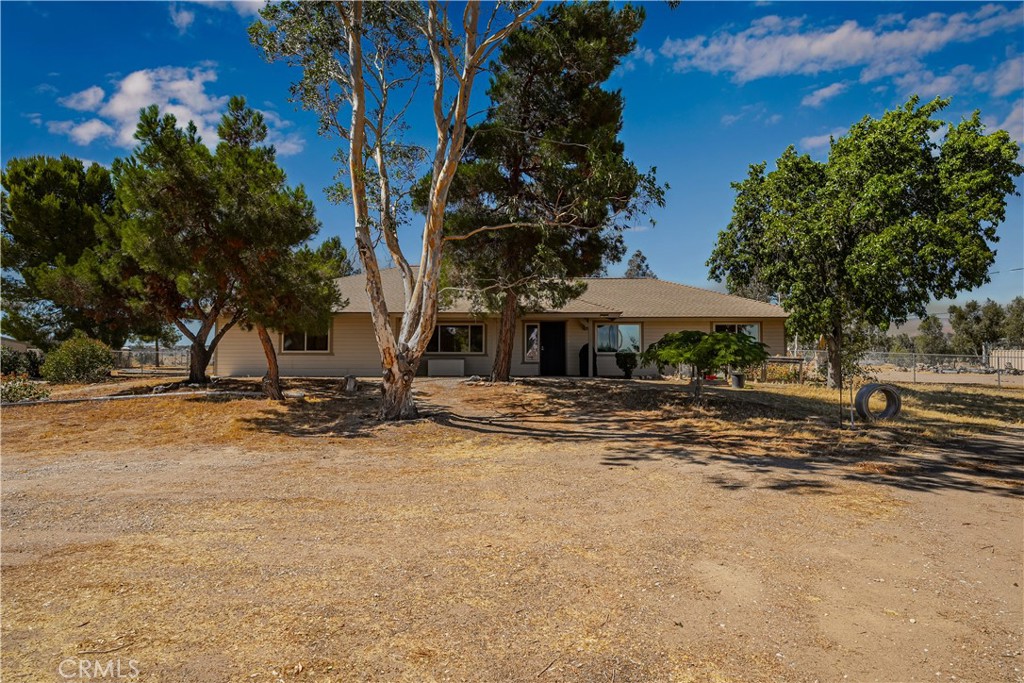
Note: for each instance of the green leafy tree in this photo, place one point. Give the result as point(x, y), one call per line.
point(976, 325)
point(638, 266)
point(705, 352)
point(333, 258)
point(1013, 326)
point(931, 336)
point(199, 225)
point(360, 63)
point(546, 190)
point(891, 220)
point(901, 343)
point(740, 240)
point(52, 213)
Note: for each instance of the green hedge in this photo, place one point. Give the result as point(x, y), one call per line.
point(79, 359)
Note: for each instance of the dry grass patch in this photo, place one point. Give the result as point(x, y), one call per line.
point(552, 530)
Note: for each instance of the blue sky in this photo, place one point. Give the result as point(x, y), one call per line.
point(711, 88)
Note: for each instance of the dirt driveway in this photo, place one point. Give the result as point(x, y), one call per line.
point(548, 531)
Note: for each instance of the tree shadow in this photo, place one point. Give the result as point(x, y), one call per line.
point(323, 410)
point(989, 405)
point(763, 439)
point(787, 443)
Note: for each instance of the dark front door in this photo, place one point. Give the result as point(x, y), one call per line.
point(552, 348)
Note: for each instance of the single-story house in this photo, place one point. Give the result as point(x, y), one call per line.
point(612, 314)
point(14, 344)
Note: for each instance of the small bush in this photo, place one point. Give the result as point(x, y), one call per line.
point(627, 361)
point(78, 359)
point(12, 361)
point(34, 359)
point(16, 388)
point(20, 362)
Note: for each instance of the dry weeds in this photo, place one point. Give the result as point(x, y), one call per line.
point(552, 530)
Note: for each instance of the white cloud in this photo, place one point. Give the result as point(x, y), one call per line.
point(176, 90)
point(927, 84)
point(246, 8)
point(774, 46)
point(82, 133)
point(181, 18)
point(643, 54)
point(1014, 122)
point(60, 127)
point(287, 144)
point(822, 95)
point(85, 100)
point(757, 113)
point(181, 91)
point(819, 141)
point(1008, 77)
point(639, 54)
point(35, 118)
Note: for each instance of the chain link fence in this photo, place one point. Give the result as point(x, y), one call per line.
point(996, 367)
point(149, 361)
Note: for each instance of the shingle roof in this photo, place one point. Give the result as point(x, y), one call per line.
point(617, 297)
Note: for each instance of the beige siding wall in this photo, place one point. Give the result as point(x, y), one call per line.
point(773, 333)
point(353, 349)
point(652, 329)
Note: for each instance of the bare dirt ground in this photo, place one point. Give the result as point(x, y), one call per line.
point(593, 530)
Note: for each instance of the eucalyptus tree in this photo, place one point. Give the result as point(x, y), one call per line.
point(361, 63)
point(892, 219)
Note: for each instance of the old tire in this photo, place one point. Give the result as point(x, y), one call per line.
point(893, 402)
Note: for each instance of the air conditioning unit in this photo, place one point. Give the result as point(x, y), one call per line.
point(446, 367)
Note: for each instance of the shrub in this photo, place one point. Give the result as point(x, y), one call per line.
point(78, 359)
point(706, 352)
point(627, 361)
point(34, 359)
point(16, 388)
point(12, 361)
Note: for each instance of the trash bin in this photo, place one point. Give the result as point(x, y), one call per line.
point(738, 380)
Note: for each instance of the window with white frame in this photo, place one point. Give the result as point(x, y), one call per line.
point(615, 337)
point(749, 329)
point(531, 343)
point(460, 338)
point(304, 342)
